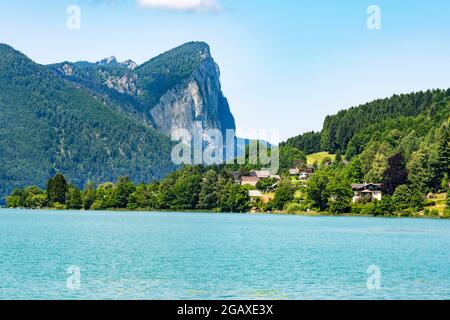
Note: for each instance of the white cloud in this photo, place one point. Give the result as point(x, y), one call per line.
point(181, 5)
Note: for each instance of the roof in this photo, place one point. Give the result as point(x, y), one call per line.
point(366, 186)
point(262, 174)
point(250, 179)
point(255, 193)
point(294, 171)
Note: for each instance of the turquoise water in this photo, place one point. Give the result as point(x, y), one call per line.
point(210, 256)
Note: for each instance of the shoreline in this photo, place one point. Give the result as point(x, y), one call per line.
point(277, 213)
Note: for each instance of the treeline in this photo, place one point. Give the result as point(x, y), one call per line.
point(349, 130)
point(338, 130)
point(213, 189)
point(190, 188)
point(308, 142)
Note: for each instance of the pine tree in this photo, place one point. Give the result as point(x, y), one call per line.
point(209, 196)
point(395, 175)
point(88, 195)
point(122, 190)
point(442, 164)
point(57, 189)
point(354, 171)
point(74, 200)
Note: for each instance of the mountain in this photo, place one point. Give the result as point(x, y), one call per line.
point(98, 121)
point(168, 92)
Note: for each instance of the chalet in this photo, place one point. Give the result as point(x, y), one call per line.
point(302, 174)
point(262, 174)
point(265, 174)
point(255, 176)
point(367, 192)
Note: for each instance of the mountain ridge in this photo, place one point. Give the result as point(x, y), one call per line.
point(182, 83)
point(340, 131)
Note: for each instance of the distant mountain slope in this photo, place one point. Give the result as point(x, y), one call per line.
point(168, 92)
point(48, 124)
point(349, 131)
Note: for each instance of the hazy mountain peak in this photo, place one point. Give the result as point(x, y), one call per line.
point(108, 60)
point(171, 91)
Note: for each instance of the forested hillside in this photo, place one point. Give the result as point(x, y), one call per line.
point(412, 128)
point(49, 125)
point(408, 116)
point(339, 130)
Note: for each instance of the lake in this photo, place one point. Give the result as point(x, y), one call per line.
point(126, 255)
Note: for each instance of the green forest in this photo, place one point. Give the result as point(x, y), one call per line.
point(190, 188)
point(48, 125)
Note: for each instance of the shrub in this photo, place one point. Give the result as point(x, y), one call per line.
point(357, 208)
point(406, 197)
point(434, 213)
point(377, 208)
point(446, 213)
point(295, 208)
point(339, 206)
point(59, 206)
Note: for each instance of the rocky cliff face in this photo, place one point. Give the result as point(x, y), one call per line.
point(197, 98)
point(169, 92)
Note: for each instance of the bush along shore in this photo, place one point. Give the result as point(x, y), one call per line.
point(328, 191)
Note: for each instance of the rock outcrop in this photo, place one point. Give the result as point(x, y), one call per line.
point(172, 91)
point(197, 98)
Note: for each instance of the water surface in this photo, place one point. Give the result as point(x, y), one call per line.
point(126, 255)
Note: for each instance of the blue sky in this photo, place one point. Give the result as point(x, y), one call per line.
point(285, 64)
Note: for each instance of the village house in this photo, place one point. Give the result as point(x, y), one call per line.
point(302, 174)
point(262, 174)
point(367, 192)
point(256, 176)
point(249, 181)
